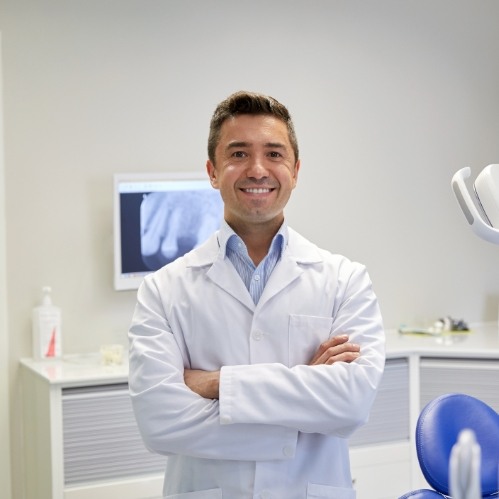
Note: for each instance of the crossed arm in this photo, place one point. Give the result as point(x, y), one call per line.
point(336, 349)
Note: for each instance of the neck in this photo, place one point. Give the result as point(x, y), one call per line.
point(258, 239)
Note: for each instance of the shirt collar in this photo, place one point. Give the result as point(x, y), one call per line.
point(227, 238)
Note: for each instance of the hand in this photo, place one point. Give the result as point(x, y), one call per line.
point(336, 349)
point(204, 383)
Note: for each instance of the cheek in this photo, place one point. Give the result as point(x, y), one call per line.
point(231, 170)
point(228, 177)
point(289, 176)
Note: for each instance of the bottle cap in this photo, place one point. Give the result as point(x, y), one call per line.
point(46, 290)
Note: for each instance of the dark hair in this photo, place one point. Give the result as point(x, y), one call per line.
point(248, 103)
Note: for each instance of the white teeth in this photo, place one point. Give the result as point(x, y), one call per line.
point(257, 191)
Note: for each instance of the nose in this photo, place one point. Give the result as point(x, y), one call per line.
point(256, 168)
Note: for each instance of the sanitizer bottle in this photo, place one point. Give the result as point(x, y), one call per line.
point(46, 328)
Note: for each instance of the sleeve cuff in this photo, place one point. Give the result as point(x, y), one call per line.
point(225, 395)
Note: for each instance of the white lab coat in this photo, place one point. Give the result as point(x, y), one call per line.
point(280, 426)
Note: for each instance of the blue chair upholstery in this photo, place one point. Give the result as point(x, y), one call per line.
point(438, 429)
point(422, 494)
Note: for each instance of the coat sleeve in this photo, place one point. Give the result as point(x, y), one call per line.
point(171, 418)
point(330, 399)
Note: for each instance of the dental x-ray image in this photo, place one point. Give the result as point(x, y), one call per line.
point(173, 223)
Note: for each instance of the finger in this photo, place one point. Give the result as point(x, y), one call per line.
point(343, 357)
point(335, 340)
point(334, 352)
point(331, 342)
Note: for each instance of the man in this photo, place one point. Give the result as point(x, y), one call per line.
point(256, 355)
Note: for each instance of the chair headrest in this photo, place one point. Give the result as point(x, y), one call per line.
point(438, 428)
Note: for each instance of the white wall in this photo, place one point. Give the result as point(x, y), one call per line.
point(4, 343)
point(389, 98)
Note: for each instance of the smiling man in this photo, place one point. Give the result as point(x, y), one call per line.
point(255, 168)
point(255, 356)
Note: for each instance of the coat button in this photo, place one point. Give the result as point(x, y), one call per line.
point(288, 451)
point(257, 335)
point(265, 494)
point(225, 419)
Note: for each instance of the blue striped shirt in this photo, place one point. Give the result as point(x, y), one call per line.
point(254, 277)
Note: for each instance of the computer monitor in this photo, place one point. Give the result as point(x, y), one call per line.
point(158, 218)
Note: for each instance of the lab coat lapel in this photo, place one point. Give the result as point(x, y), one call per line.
point(298, 254)
point(284, 273)
point(220, 271)
point(224, 275)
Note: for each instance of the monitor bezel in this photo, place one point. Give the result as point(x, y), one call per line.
point(132, 282)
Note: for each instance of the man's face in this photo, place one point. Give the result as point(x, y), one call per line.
point(255, 170)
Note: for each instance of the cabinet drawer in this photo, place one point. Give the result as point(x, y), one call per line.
point(101, 440)
point(478, 378)
point(389, 418)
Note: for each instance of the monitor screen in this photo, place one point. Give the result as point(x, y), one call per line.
point(157, 218)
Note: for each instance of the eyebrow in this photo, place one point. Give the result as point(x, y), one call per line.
point(273, 145)
point(236, 144)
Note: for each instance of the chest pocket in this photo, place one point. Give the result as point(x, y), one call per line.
point(306, 333)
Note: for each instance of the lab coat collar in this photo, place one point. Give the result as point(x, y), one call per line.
point(298, 249)
point(298, 253)
point(301, 250)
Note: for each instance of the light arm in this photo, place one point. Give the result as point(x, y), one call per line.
point(476, 220)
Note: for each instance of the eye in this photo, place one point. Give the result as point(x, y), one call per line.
point(275, 154)
point(239, 154)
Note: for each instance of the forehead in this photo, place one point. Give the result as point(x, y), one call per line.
point(254, 129)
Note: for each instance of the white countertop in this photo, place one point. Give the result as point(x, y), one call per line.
point(78, 370)
point(482, 342)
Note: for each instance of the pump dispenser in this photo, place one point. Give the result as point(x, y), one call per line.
point(46, 328)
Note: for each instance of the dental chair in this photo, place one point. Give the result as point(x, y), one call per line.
point(438, 431)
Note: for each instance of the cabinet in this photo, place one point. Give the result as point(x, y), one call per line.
point(85, 429)
point(380, 452)
point(382, 471)
point(81, 440)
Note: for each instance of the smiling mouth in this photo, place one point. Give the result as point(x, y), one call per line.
point(258, 190)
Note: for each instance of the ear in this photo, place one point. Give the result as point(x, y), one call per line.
point(212, 173)
point(295, 175)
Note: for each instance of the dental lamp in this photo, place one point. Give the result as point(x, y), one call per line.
point(481, 208)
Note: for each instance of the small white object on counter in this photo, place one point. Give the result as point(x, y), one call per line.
point(111, 355)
